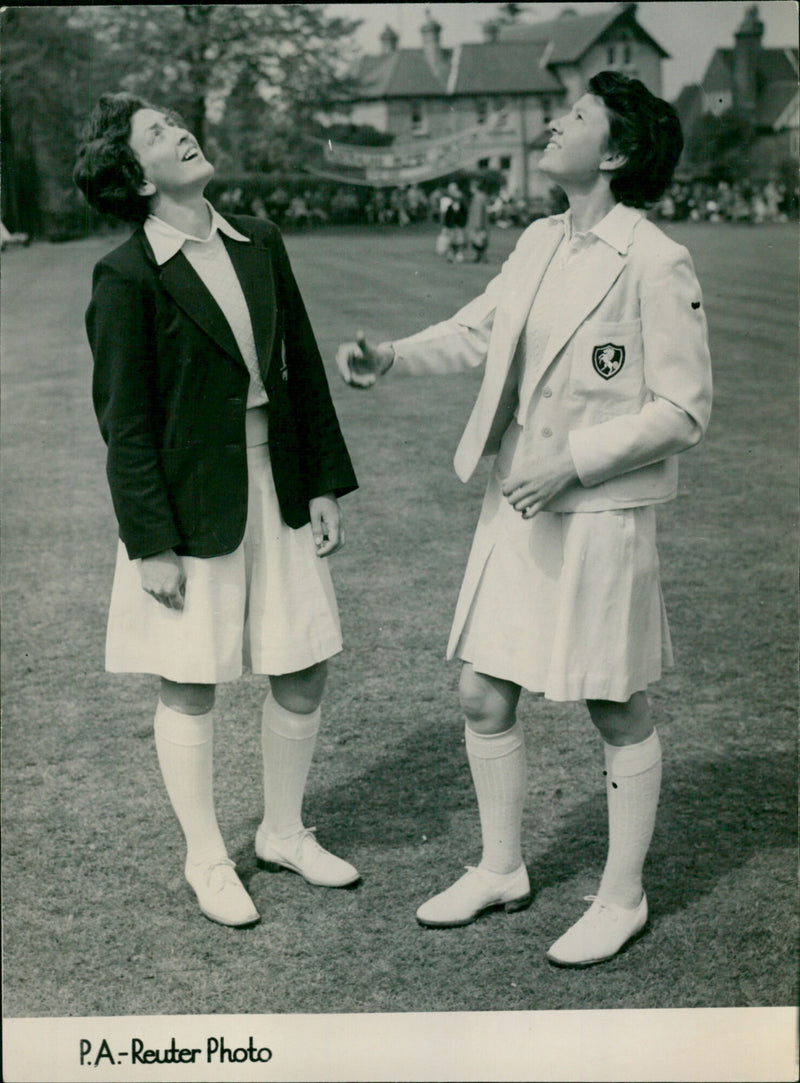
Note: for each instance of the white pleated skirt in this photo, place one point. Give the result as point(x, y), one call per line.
point(569, 604)
point(269, 605)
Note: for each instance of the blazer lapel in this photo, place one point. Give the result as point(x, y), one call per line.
point(253, 268)
point(498, 394)
point(511, 316)
point(583, 294)
point(189, 292)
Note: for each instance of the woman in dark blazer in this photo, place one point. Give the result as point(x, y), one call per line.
point(225, 462)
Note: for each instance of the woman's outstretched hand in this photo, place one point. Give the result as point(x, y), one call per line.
point(360, 364)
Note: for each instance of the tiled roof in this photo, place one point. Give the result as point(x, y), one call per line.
point(689, 105)
point(773, 65)
point(502, 68)
point(773, 102)
point(776, 78)
point(404, 73)
point(572, 35)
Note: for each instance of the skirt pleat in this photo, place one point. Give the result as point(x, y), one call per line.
point(569, 604)
point(269, 605)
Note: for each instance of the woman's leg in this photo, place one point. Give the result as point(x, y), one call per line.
point(496, 754)
point(290, 723)
point(184, 736)
point(289, 727)
point(633, 780)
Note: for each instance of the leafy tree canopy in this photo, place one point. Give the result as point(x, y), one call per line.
point(192, 57)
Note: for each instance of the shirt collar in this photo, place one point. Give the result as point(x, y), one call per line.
point(615, 229)
point(166, 240)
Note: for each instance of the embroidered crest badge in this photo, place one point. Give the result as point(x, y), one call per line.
point(608, 360)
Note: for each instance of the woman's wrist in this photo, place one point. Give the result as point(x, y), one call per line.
point(387, 355)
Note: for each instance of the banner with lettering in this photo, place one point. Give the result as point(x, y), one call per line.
point(407, 161)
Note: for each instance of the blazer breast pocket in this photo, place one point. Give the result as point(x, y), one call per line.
point(607, 363)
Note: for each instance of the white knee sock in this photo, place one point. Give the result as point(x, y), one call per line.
point(185, 748)
point(633, 782)
point(287, 747)
point(497, 762)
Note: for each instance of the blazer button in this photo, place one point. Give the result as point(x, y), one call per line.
point(547, 393)
point(547, 431)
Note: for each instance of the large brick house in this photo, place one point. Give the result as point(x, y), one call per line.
point(487, 105)
point(758, 83)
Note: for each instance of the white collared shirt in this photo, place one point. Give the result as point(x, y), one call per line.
point(545, 311)
point(209, 258)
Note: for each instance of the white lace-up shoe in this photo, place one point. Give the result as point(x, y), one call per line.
point(603, 930)
point(477, 890)
point(220, 893)
point(302, 853)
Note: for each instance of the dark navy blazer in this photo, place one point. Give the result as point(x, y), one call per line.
point(170, 393)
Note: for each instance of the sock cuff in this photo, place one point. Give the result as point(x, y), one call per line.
point(183, 729)
point(492, 746)
point(624, 761)
point(289, 723)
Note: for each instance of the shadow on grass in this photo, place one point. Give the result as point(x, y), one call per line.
point(715, 814)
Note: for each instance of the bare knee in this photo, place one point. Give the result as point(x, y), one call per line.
point(187, 698)
point(300, 692)
point(622, 723)
point(488, 703)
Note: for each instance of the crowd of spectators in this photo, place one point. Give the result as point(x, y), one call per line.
point(313, 203)
point(322, 203)
point(742, 201)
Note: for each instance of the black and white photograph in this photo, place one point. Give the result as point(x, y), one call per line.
point(399, 542)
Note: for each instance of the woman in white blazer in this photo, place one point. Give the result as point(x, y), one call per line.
point(596, 375)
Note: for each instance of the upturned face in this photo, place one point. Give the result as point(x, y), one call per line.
point(169, 155)
point(579, 148)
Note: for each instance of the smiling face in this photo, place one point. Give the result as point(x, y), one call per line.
point(579, 151)
point(171, 158)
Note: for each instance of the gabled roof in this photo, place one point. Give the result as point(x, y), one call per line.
point(774, 65)
point(774, 102)
point(404, 73)
point(776, 80)
point(502, 68)
point(689, 105)
point(571, 35)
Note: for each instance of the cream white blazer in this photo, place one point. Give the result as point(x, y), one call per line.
point(625, 381)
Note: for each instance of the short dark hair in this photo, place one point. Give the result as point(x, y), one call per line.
point(646, 130)
point(106, 170)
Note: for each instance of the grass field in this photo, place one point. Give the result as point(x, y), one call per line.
point(97, 917)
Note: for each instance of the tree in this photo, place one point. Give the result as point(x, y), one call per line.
point(194, 56)
point(46, 79)
point(719, 148)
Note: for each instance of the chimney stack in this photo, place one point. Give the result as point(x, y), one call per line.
point(432, 48)
point(388, 41)
point(745, 61)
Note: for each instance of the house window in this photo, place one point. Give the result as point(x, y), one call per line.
point(501, 113)
point(547, 111)
point(626, 53)
point(483, 163)
point(505, 161)
point(418, 120)
point(610, 54)
point(482, 110)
